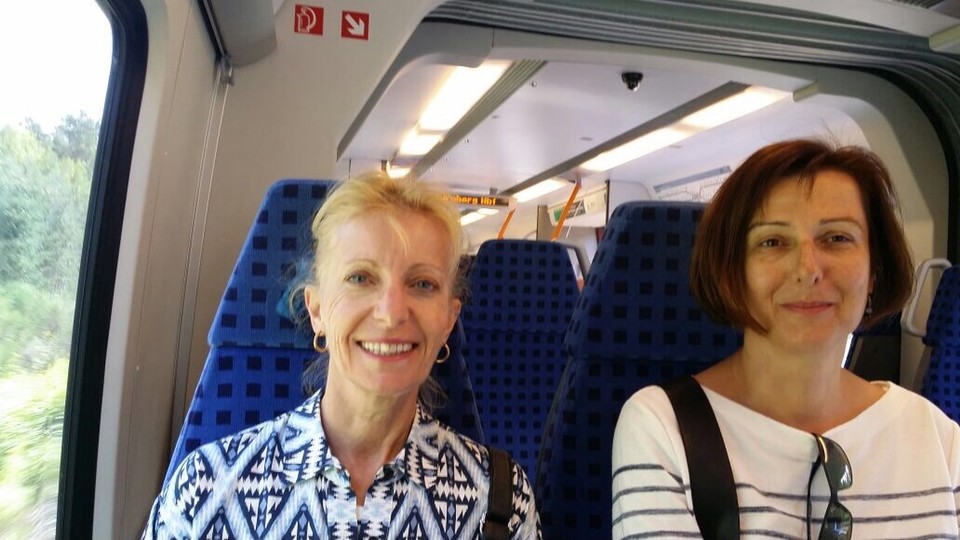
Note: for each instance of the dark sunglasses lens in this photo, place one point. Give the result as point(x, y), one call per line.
point(837, 523)
point(837, 466)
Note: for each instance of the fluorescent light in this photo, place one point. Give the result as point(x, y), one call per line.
point(418, 144)
point(397, 172)
point(540, 189)
point(472, 217)
point(641, 146)
point(743, 103)
point(463, 88)
point(750, 100)
point(477, 215)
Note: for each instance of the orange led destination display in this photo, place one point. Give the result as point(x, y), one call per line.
point(479, 200)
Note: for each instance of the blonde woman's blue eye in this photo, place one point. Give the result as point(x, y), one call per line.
point(357, 279)
point(427, 285)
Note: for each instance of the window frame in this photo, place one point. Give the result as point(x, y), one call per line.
point(98, 268)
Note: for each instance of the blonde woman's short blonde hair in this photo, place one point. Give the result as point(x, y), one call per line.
point(377, 193)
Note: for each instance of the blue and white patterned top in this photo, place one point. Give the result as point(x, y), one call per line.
point(279, 480)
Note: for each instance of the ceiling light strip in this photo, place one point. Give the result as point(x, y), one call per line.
point(426, 41)
point(700, 102)
point(540, 189)
point(515, 77)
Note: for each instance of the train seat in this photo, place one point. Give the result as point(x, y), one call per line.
point(522, 293)
point(457, 407)
point(941, 382)
point(258, 352)
point(634, 325)
point(874, 353)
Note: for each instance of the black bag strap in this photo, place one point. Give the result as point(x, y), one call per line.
point(499, 497)
point(711, 479)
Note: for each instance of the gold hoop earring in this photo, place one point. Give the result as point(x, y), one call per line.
point(442, 359)
point(322, 349)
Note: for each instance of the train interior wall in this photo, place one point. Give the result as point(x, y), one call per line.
point(206, 151)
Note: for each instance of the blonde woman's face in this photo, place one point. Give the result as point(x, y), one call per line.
point(385, 303)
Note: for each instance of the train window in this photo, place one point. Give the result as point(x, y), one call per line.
point(56, 66)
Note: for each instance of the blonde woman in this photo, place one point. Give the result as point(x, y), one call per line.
point(361, 458)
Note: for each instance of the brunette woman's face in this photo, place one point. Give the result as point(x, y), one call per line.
point(808, 262)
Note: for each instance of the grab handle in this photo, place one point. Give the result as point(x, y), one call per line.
point(920, 277)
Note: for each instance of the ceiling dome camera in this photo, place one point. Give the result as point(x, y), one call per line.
point(631, 79)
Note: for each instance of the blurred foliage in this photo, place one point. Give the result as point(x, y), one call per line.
point(36, 327)
point(31, 430)
point(44, 192)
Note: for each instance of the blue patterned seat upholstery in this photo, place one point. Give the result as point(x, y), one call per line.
point(941, 383)
point(458, 407)
point(257, 352)
point(522, 294)
point(634, 325)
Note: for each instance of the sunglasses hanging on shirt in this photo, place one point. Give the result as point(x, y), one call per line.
point(837, 523)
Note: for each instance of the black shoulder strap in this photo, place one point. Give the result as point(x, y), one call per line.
point(711, 479)
point(500, 496)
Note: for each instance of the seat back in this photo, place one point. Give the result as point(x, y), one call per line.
point(635, 324)
point(941, 382)
point(458, 405)
point(522, 294)
point(874, 353)
point(257, 352)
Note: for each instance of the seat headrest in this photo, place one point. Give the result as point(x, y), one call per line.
point(636, 302)
point(521, 284)
point(943, 324)
point(276, 254)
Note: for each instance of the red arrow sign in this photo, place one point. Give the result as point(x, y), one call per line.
point(355, 25)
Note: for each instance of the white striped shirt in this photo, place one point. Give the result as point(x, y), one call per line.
point(903, 451)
